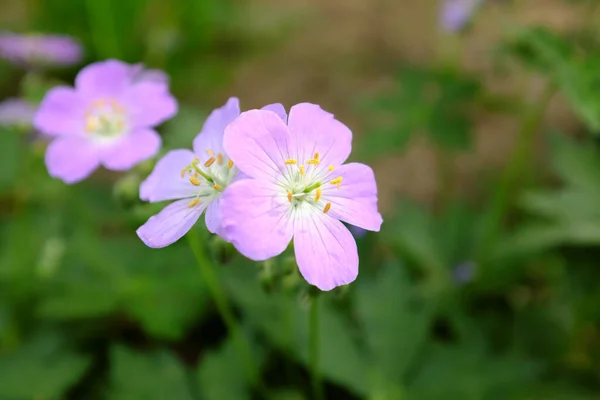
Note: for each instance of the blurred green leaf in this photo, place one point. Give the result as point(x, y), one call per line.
point(10, 154)
point(42, 368)
point(179, 132)
point(155, 375)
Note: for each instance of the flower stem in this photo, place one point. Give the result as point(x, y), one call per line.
point(218, 293)
point(317, 384)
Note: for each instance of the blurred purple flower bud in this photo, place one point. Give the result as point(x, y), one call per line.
point(17, 112)
point(456, 14)
point(357, 232)
point(36, 50)
point(463, 273)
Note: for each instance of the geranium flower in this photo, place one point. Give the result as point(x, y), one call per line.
point(456, 14)
point(107, 119)
point(39, 50)
point(298, 187)
point(195, 179)
point(16, 112)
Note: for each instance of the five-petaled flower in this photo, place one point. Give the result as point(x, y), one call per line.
point(107, 119)
point(297, 187)
point(195, 179)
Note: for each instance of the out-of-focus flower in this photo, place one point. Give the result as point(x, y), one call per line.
point(40, 50)
point(140, 74)
point(357, 232)
point(196, 179)
point(456, 14)
point(463, 273)
point(17, 112)
point(107, 119)
point(298, 188)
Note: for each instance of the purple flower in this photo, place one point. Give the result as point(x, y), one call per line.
point(39, 50)
point(16, 112)
point(195, 179)
point(457, 13)
point(106, 119)
point(298, 188)
point(463, 273)
point(140, 74)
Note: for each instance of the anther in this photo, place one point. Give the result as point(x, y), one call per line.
point(289, 196)
point(183, 171)
point(327, 207)
point(230, 164)
point(301, 168)
point(209, 162)
point(336, 180)
point(318, 195)
point(193, 202)
point(330, 168)
point(194, 181)
point(313, 161)
point(209, 151)
point(316, 157)
point(220, 159)
point(217, 187)
point(291, 161)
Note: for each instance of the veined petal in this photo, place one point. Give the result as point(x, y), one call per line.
point(317, 131)
point(62, 112)
point(325, 250)
point(71, 159)
point(278, 109)
point(355, 202)
point(255, 218)
point(149, 104)
point(165, 181)
point(213, 216)
point(211, 135)
point(169, 225)
point(131, 149)
point(259, 142)
point(104, 79)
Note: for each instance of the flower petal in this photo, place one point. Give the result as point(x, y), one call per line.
point(317, 131)
point(71, 159)
point(213, 216)
point(131, 149)
point(211, 135)
point(258, 142)
point(278, 109)
point(169, 225)
point(106, 78)
point(61, 112)
point(165, 181)
point(325, 250)
point(355, 202)
point(255, 218)
point(149, 104)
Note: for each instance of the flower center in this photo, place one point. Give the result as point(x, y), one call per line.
point(306, 183)
point(210, 177)
point(105, 119)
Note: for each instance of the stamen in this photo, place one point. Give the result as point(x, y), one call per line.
point(230, 164)
point(301, 168)
point(193, 202)
point(290, 197)
point(209, 151)
point(209, 162)
point(217, 187)
point(316, 157)
point(327, 207)
point(220, 159)
point(313, 161)
point(291, 161)
point(194, 181)
point(317, 195)
point(330, 168)
point(183, 171)
point(336, 181)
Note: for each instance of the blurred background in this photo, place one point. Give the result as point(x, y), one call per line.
point(481, 120)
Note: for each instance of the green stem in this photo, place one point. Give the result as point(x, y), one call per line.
point(508, 187)
point(317, 384)
point(220, 298)
point(103, 28)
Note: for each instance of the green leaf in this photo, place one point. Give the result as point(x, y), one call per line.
point(155, 375)
point(43, 368)
point(180, 131)
point(10, 154)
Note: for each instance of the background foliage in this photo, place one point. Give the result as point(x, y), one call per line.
point(489, 294)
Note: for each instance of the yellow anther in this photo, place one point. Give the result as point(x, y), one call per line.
point(301, 168)
point(336, 180)
point(91, 124)
point(183, 171)
point(316, 157)
point(291, 161)
point(209, 162)
point(194, 181)
point(318, 195)
point(217, 187)
point(313, 161)
point(330, 168)
point(220, 159)
point(193, 202)
point(230, 164)
point(290, 197)
point(209, 151)
point(99, 103)
point(327, 207)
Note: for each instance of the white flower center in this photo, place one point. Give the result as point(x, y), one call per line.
point(210, 178)
point(105, 119)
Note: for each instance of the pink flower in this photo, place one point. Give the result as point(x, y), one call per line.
point(107, 119)
point(40, 50)
point(195, 179)
point(298, 188)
